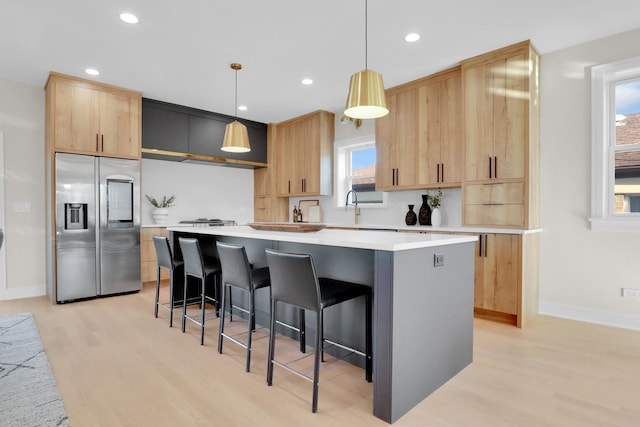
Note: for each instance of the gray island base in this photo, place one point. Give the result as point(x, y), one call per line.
point(422, 312)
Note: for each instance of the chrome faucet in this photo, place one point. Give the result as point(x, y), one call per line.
point(354, 202)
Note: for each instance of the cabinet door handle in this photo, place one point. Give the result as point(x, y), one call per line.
point(438, 173)
point(486, 238)
point(102, 142)
point(289, 186)
point(495, 166)
point(397, 176)
point(96, 142)
point(442, 172)
point(490, 168)
point(480, 247)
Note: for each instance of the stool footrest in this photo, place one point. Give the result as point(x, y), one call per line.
point(344, 347)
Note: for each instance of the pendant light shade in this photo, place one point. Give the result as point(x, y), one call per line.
point(366, 98)
point(236, 137)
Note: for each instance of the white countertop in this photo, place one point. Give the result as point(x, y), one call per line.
point(431, 229)
point(361, 239)
point(413, 228)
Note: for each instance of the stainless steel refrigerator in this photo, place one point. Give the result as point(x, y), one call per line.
point(97, 226)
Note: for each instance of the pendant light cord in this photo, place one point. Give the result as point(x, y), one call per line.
point(236, 110)
point(366, 33)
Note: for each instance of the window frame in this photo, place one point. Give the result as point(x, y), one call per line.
point(342, 152)
point(604, 78)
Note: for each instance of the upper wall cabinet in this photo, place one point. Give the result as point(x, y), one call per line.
point(439, 130)
point(501, 124)
point(418, 144)
point(174, 132)
point(396, 142)
point(304, 147)
point(86, 117)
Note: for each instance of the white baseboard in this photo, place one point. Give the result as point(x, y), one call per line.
point(27, 292)
point(589, 315)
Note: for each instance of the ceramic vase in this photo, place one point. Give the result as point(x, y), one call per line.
point(160, 215)
point(436, 217)
point(424, 215)
point(411, 218)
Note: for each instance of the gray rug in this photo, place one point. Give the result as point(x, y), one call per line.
point(28, 393)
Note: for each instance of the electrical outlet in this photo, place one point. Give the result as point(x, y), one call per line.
point(630, 292)
point(438, 260)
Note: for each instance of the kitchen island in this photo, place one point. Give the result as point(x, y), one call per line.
point(422, 304)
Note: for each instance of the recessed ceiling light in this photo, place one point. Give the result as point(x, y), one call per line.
point(129, 18)
point(412, 37)
point(92, 72)
point(307, 81)
point(242, 107)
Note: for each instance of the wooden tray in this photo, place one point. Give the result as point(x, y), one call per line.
point(300, 228)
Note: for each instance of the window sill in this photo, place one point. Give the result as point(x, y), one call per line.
point(615, 224)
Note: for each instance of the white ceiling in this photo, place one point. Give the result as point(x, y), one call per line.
point(180, 51)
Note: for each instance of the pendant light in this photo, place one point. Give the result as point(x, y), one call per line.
point(236, 137)
point(366, 99)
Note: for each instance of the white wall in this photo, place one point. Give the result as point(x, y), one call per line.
point(202, 191)
point(22, 122)
point(581, 271)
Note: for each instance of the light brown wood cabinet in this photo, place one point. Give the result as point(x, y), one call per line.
point(304, 150)
point(267, 206)
point(86, 117)
point(419, 143)
point(439, 130)
point(506, 277)
point(148, 258)
point(396, 142)
point(497, 273)
point(501, 135)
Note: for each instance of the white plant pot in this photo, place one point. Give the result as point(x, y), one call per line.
point(436, 217)
point(160, 215)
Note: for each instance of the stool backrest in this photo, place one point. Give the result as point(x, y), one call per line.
point(192, 257)
point(294, 279)
point(163, 252)
point(236, 270)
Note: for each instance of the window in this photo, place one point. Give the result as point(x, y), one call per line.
point(616, 145)
point(356, 170)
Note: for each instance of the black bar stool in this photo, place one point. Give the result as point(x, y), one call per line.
point(176, 275)
point(237, 273)
point(207, 274)
point(294, 281)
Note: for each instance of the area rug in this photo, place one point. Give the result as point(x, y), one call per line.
point(28, 393)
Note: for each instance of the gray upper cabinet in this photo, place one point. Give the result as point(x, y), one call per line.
point(164, 129)
point(189, 132)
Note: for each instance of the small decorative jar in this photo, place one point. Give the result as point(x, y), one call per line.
point(424, 215)
point(411, 218)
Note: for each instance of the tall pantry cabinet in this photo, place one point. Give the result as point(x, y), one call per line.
point(501, 178)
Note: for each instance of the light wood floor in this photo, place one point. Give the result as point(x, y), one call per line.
point(116, 365)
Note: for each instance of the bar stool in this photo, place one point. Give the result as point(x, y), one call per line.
point(237, 273)
point(194, 266)
point(294, 281)
point(176, 275)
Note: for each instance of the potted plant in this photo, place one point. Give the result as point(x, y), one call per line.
point(161, 208)
point(436, 202)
